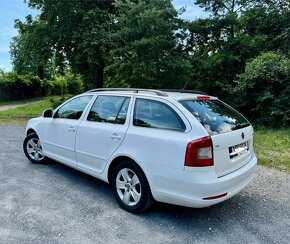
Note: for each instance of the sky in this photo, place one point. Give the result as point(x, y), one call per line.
point(17, 9)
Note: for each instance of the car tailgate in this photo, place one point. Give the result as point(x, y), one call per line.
point(232, 150)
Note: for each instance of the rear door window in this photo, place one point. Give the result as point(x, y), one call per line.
point(109, 109)
point(216, 116)
point(155, 114)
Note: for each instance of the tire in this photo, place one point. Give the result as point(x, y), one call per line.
point(131, 187)
point(33, 149)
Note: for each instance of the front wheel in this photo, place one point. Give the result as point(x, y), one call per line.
point(33, 149)
point(131, 187)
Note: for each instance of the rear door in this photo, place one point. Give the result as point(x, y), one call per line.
point(102, 132)
point(231, 133)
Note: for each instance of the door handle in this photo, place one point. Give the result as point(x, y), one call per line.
point(115, 137)
point(71, 129)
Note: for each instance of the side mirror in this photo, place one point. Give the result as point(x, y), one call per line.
point(47, 113)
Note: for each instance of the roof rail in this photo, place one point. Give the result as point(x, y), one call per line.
point(185, 91)
point(136, 90)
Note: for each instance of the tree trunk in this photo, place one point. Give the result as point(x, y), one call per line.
point(99, 76)
point(232, 31)
point(40, 71)
point(232, 28)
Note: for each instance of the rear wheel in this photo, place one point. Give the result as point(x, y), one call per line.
point(131, 187)
point(33, 149)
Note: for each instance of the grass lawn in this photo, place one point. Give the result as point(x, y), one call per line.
point(21, 114)
point(272, 147)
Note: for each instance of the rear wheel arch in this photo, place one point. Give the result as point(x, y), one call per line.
point(117, 161)
point(30, 131)
point(114, 164)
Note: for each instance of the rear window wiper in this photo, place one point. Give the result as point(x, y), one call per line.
point(241, 125)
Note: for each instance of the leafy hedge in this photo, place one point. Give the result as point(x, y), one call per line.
point(14, 87)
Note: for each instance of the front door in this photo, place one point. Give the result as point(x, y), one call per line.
point(60, 131)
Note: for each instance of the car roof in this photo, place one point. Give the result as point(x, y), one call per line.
point(181, 95)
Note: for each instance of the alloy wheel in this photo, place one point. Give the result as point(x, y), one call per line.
point(128, 187)
point(34, 149)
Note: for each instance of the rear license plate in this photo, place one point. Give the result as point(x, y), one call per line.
point(238, 149)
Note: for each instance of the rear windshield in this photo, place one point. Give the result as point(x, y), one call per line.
point(215, 116)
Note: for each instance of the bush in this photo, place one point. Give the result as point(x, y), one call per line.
point(74, 83)
point(56, 102)
point(59, 86)
point(115, 81)
point(68, 83)
point(263, 90)
point(14, 86)
point(46, 87)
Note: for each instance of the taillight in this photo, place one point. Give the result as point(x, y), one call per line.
point(203, 97)
point(199, 153)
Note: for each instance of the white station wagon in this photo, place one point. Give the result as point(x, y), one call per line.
point(184, 148)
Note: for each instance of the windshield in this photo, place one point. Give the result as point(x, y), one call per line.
point(216, 116)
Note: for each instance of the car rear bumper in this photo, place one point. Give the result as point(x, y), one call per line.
point(190, 188)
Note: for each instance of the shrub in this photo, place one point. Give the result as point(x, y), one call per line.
point(14, 86)
point(67, 83)
point(59, 85)
point(46, 87)
point(263, 90)
point(74, 83)
point(115, 81)
point(58, 101)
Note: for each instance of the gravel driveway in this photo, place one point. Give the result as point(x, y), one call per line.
point(55, 204)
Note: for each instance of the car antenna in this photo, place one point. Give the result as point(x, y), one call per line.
point(186, 83)
point(183, 88)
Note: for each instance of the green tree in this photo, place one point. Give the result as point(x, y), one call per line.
point(146, 52)
point(2, 72)
point(226, 13)
point(78, 34)
point(263, 90)
point(31, 49)
point(236, 31)
point(272, 21)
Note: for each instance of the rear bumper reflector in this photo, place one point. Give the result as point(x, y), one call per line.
point(215, 197)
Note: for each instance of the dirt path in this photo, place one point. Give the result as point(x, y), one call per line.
point(15, 105)
point(9, 106)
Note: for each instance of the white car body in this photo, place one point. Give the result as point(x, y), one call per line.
point(93, 147)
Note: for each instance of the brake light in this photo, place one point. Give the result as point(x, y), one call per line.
point(199, 153)
point(203, 97)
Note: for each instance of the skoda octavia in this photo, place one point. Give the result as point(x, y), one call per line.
point(183, 148)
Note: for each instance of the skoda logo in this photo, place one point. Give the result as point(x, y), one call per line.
point(243, 135)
